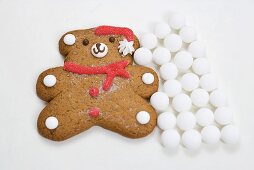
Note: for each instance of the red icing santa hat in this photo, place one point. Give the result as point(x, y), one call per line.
point(126, 46)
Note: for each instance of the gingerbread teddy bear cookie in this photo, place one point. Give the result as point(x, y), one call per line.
point(97, 86)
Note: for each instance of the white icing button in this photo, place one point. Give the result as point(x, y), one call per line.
point(172, 87)
point(188, 34)
point(51, 122)
point(161, 55)
point(143, 117)
point(218, 98)
point(99, 50)
point(143, 56)
point(186, 121)
point(197, 49)
point(168, 71)
point(199, 97)
point(230, 134)
point(148, 40)
point(181, 102)
point(183, 60)
point(170, 139)
point(177, 21)
point(204, 117)
point(189, 81)
point(210, 134)
point(201, 66)
point(191, 139)
point(159, 101)
point(173, 42)
point(69, 39)
point(223, 115)
point(208, 82)
point(148, 78)
point(166, 120)
point(161, 30)
point(49, 80)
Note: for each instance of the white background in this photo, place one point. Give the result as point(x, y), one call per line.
point(29, 33)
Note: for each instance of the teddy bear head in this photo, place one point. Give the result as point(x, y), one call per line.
point(98, 46)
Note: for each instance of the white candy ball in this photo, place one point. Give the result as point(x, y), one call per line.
point(177, 21)
point(148, 40)
point(159, 101)
point(161, 55)
point(197, 49)
point(230, 134)
point(161, 30)
point(148, 78)
point(208, 82)
point(170, 139)
point(69, 39)
point(199, 97)
point(166, 120)
point(223, 115)
point(143, 117)
point(143, 56)
point(218, 98)
point(183, 60)
point(186, 121)
point(188, 34)
point(210, 134)
point(49, 80)
point(172, 87)
point(191, 139)
point(168, 71)
point(201, 66)
point(173, 42)
point(189, 81)
point(204, 117)
point(51, 122)
point(181, 102)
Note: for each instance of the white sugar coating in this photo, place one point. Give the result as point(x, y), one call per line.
point(148, 78)
point(166, 120)
point(177, 21)
point(172, 87)
point(143, 117)
point(223, 115)
point(218, 98)
point(143, 56)
point(51, 122)
point(208, 82)
point(188, 34)
point(162, 30)
point(210, 134)
point(199, 97)
point(161, 55)
point(170, 139)
point(159, 101)
point(181, 102)
point(189, 81)
point(168, 71)
point(69, 39)
point(173, 42)
point(201, 66)
point(230, 134)
point(186, 120)
point(197, 49)
point(204, 117)
point(49, 80)
point(191, 139)
point(183, 60)
point(148, 40)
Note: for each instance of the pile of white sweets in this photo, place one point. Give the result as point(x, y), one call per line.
point(200, 111)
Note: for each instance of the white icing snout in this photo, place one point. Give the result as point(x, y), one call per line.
point(99, 50)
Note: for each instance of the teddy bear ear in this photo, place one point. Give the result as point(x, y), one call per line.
point(136, 44)
point(66, 43)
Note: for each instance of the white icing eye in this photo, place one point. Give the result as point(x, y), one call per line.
point(69, 39)
point(143, 117)
point(99, 50)
point(49, 80)
point(51, 122)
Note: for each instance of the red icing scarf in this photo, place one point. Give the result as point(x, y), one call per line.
point(112, 70)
